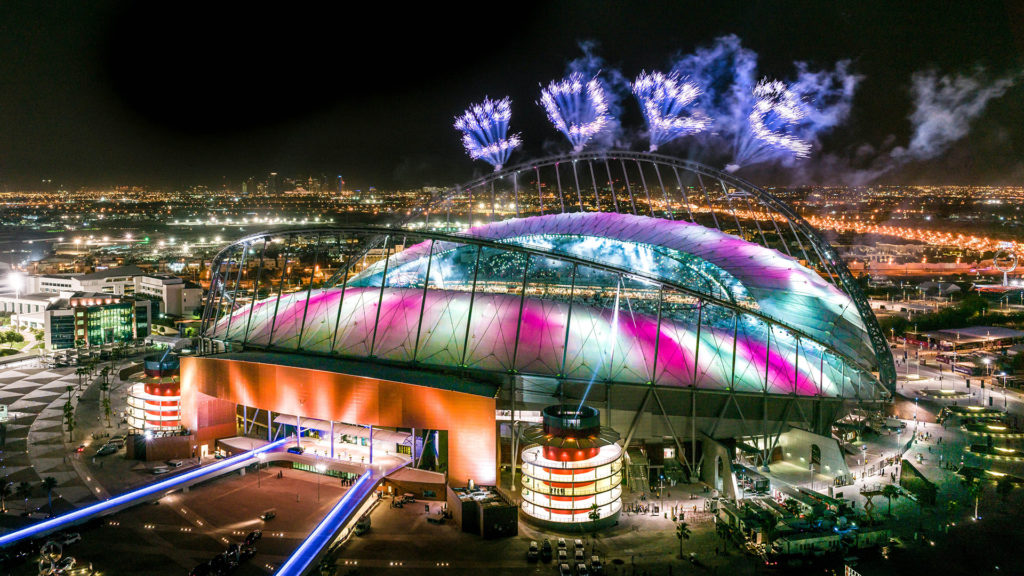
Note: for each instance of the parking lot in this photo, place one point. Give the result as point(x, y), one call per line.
point(402, 542)
point(184, 529)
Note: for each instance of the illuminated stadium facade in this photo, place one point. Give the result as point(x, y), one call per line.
point(686, 303)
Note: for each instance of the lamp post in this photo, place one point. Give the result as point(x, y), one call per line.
point(17, 281)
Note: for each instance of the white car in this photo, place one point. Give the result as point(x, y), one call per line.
point(69, 539)
point(564, 570)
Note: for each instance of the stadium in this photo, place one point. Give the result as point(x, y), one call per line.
point(698, 313)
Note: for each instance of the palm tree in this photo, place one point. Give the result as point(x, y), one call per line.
point(49, 483)
point(106, 409)
point(24, 490)
point(974, 489)
point(1004, 486)
point(682, 533)
point(5, 492)
point(891, 492)
point(69, 420)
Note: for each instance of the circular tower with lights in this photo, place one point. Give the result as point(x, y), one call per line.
point(154, 400)
point(572, 471)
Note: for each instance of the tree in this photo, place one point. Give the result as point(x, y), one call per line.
point(974, 489)
point(12, 337)
point(81, 371)
point(24, 490)
point(682, 533)
point(891, 492)
point(5, 492)
point(49, 483)
point(1004, 486)
point(69, 416)
point(106, 409)
point(104, 389)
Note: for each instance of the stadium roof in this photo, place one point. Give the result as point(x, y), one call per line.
point(590, 296)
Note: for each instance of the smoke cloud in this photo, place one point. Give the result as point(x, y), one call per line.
point(944, 108)
point(728, 74)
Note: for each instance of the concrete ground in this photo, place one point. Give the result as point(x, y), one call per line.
point(402, 542)
point(185, 529)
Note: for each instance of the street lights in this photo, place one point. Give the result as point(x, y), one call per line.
point(1002, 376)
point(17, 281)
point(988, 373)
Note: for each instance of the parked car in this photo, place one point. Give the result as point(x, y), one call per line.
point(106, 449)
point(595, 564)
point(174, 463)
point(578, 544)
point(563, 556)
point(561, 543)
point(296, 449)
point(579, 556)
point(362, 526)
point(545, 550)
point(564, 570)
point(581, 569)
point(533, 554)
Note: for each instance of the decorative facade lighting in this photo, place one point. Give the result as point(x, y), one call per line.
point(572, 471)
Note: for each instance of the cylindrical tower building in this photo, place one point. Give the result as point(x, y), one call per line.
point(154, 402)
point(572, 471)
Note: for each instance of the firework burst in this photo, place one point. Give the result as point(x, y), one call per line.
point(484, 128)
point(577, 108)
point(664, 99)
point(777, 108)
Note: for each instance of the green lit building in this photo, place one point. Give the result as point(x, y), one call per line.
point(93, 319)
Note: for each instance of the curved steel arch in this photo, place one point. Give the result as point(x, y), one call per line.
point(828, 261)
point(215, 302)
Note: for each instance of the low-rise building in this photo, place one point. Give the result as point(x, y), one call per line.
point(176, 296)
point(76, 319)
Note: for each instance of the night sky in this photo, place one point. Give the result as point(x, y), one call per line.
point(170, 94)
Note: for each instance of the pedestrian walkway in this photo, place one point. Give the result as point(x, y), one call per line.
point(33, 446)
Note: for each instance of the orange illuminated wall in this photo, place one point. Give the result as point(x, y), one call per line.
point(468, 418)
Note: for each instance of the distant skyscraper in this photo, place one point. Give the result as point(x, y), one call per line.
point(273, 186)
point(341, 184)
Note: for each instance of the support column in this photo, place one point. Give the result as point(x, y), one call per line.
point(371, 444)
point(298, 432)
point(332, 439)
point(270, 425)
